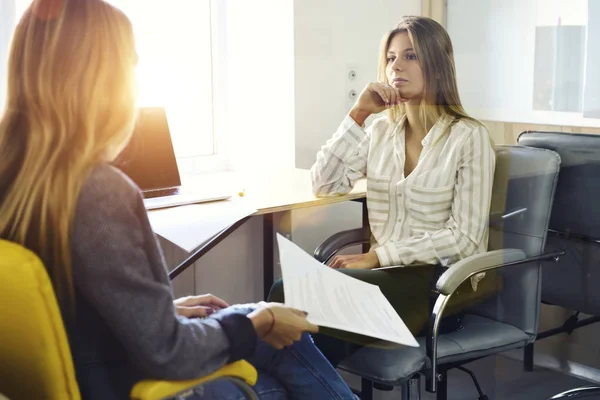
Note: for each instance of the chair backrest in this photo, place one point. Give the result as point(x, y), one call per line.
point(572, 282)
point(524, 184)
point(35, 359)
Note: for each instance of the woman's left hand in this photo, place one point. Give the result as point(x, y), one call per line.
point(199, 306)
point(356, 261)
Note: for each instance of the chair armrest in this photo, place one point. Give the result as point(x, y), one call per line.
point(453, 277)
point(157, 390)
point(462, 270)
point(329, 248)
point(591, 392)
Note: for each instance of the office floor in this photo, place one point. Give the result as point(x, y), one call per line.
point(501, 378)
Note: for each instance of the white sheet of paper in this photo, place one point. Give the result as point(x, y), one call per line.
point(192, 225)
point(338, 301)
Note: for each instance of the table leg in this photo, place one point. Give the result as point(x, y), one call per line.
point(195, 256)
point(365, 223)
point(268, 252)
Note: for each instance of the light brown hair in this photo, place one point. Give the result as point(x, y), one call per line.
point(70, 105)
point(435, 55)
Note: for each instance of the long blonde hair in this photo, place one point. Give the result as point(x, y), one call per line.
point(436, 56)
point(70, 105)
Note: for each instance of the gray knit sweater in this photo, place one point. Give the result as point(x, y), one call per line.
point(125, 326)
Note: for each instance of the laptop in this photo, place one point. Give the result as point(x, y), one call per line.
point(149, 160)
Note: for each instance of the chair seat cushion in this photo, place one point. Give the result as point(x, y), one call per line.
point(479, 337)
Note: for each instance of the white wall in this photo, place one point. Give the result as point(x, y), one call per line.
point(328, 36)
point(331, 38)
point(7, 22)
point(259, 111)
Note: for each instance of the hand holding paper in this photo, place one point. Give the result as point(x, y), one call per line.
point(335, 300)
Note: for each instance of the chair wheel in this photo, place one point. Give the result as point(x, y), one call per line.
point(484, 397)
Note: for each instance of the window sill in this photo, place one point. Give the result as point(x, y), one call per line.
point(199, 165)
point(557, 118)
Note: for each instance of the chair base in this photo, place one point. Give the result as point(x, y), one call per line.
point(411, 389)
point(482, 396)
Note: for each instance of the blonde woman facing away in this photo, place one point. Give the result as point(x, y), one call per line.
point(429, 169)
point(70, 111)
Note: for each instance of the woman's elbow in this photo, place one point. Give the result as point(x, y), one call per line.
point(165, 367)
point(330, 190)
point(320, 190)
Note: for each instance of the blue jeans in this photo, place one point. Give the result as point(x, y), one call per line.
point(296, 372)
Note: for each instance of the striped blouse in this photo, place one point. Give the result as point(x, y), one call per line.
point(436, 214)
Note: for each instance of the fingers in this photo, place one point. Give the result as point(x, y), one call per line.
point(355, 265)
point(389, 95)
point(208, 300)
point(215, 301)
point(393, 94)
point(195, 311)
point(281, 341)
point(336, 262)
point(306, 326)
point(342, 261)
point(286, 333)
point(351, 266)
point(311, 328)
point(399, 98)
point(299, 313)
point(284, 341)
point(383, 94)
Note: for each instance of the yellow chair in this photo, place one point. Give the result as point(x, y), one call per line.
point(35, 359)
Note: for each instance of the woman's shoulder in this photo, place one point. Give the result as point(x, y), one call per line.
point(469, 129)
point(105, 182)
point(467, 125)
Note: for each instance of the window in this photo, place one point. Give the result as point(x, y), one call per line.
point(529, 61)
point(175, 71)
point(560, 47)
point(175, 67)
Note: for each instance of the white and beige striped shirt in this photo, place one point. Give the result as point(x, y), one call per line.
point(437, 214)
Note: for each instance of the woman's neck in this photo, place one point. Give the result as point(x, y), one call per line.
point(414, 124)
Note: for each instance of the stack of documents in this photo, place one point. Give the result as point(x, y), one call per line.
point(338, 301)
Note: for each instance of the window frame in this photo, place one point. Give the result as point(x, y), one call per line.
point(218, 160)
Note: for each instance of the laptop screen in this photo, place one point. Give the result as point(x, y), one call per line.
point(149, 158)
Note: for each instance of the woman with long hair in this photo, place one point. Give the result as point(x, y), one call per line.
point(70, 110)
point(429, 169)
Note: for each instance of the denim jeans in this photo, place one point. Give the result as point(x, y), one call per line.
point(296, 372)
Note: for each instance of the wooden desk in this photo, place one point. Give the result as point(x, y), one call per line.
point(270, 193)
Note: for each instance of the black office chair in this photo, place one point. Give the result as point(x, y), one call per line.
point(524, 185)
point(574, 227)
point(590, 392)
